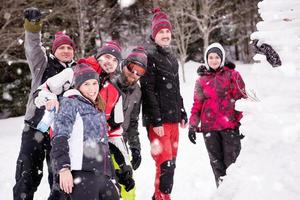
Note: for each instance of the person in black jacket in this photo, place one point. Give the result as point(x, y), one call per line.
point(162, 104)
point(35, 145)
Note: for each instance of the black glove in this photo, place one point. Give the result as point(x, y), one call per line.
point(136, 158)
point(32, 14)
point(184, 116)
point(33, 21)
point(124, 175)
point(192, 135)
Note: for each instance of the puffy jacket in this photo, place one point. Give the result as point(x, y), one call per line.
point(161, 98)
point(80, 139)
point(215, 95)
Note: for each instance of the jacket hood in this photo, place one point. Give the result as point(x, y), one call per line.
point(213, 45)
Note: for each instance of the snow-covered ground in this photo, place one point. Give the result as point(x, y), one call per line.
point(267, 168)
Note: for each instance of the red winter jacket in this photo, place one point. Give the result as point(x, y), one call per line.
point(109, 93)
point(214, 100)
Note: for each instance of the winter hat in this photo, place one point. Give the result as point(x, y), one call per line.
point(110, 47)
point(215, 48)
point(92, 62)
point(82, 73)
point(159, 21)
point(138, 56)
point(60, 39)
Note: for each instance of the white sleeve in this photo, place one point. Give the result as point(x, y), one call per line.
point(54, 86)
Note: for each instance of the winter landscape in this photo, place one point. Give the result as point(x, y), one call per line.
point(268, 166)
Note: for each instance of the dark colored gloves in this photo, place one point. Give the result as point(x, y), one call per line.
point(136, 158)
point(32, 20)
point(272, 56)
point(124, 175)
point(32, 14)
point(184, 116)
point(192, 134)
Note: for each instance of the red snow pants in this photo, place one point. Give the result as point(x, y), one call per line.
point(164, 152)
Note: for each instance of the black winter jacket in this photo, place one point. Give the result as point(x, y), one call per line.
point(161, 99)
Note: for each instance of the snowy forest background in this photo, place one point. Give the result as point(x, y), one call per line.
point(268, 166)
point(92, 22)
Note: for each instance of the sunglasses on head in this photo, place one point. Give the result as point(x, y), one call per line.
point(136, 69)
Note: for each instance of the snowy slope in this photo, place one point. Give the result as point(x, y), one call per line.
point(266, 169)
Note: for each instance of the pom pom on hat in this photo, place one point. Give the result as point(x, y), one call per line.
point(159, 21)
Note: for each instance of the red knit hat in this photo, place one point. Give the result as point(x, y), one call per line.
point(159, 21)
point(60, 39)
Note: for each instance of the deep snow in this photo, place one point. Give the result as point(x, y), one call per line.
point(267, 167)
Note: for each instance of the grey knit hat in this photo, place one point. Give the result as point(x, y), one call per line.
point(82, 73)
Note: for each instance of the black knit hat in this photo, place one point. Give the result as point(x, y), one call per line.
point(110, 47)
point(82, 73)
point(138, 56)
point(215, 50)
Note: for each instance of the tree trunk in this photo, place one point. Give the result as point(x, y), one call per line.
point(182, 60)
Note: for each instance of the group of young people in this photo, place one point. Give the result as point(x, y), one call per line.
point(93, 146)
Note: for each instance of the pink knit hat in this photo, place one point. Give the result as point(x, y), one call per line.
point(60, 39)
point(159, 21)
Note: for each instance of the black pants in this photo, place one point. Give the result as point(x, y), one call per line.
point(223, 148)
point(35, 147)
point(90, 186)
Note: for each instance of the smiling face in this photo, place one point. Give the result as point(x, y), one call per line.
point(90, 89)
point(214, 60)
point(108, 63)
point(64, 53)
point(163, 37)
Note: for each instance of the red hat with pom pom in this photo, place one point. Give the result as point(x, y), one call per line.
point(60, 39)
point(159, 21)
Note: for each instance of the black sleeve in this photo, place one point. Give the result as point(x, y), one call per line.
point(60, 153)
point(149, 94)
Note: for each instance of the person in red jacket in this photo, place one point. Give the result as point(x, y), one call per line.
point(216, 91)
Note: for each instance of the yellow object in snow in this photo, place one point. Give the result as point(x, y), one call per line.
point(124, 194)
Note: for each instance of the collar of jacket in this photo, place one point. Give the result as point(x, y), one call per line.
point(152, 46)
point(203, 71)
point(74, 93)
point(65, 64)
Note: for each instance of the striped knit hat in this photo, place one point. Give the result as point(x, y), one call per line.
point(82, 73)
point(60, 39)
point(159, 21)
point(110, 47)
point(138, 56)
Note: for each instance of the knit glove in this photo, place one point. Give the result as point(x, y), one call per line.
point(33, 21)
point(136, 158)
